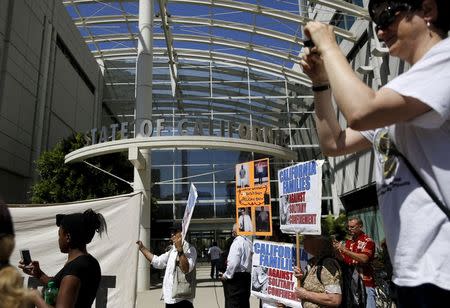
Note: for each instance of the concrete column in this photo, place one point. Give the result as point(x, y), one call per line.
point(142, 175)
point(42, 95)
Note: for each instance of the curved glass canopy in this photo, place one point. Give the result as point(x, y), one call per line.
point(220, 61)
point(232, 60)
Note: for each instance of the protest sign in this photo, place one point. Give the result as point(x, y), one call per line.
point(192, 199)
point(253, 210)
point(300, 197)
point(273, 272)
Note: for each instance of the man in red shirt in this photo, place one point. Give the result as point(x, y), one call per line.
point(360, 251)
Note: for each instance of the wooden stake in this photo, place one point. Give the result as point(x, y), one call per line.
point(297, 240)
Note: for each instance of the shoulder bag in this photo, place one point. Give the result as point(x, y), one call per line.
point(183, 284)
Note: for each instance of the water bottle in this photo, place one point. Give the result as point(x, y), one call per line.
point(50, 293)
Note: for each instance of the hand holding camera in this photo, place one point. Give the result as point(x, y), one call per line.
point(308, 43)
point(29, 266)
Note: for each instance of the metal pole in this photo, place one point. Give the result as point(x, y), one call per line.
point(142, 176)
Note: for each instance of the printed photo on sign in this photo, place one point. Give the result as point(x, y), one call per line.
point(261, 172)
point(260, 279)
point(273, 272)
point(300, 197)
point(284, 209)
point(262, 218)
point(243, 175)
point(245, 219)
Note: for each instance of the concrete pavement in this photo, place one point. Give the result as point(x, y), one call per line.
point(209, 293)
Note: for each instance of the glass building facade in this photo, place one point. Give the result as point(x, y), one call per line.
point(217, 100)
point(219, 69)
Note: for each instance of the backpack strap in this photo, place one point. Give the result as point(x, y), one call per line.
point(320, 266)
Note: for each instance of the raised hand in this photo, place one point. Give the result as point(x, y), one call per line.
point(32, 269)
point(322, 35)
point(140, 245)
point(312, 66)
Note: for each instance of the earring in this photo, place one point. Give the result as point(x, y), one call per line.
point(428, 24)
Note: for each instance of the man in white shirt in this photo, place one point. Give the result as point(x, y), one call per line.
point(243, 176)
point(214, 253)
point(182, 255)
point(245, 221)
point(237, 276)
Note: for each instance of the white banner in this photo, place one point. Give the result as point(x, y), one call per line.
point(192, 199)
point(273, 277)
point(300, 197)
point(116, 251)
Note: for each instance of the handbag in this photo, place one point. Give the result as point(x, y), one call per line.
point(183, 284)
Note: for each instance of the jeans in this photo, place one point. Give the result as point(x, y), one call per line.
point(423, 296)
point(371, 298)
point(214, 268)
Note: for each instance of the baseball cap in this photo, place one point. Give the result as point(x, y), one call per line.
point(176, 226)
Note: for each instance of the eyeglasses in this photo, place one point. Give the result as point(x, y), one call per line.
point(352, 227)
point(386, 17)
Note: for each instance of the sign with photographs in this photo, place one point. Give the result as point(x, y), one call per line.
point(300, 197)
point(273, 277)
point(253, 210)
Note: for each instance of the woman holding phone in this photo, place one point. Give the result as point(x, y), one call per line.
point(79, 279)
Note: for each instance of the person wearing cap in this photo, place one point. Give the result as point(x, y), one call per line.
point(407, 123)
point(237, 277)
point(183, 255)
point(79, 279)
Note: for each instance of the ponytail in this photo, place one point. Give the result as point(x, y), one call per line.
point(93, 222)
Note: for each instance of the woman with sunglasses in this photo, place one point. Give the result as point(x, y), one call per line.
point(411, 114)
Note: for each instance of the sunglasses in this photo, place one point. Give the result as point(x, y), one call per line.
point(384, 18)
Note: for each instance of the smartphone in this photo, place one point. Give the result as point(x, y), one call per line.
point(26, 256)
point(308, 43)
